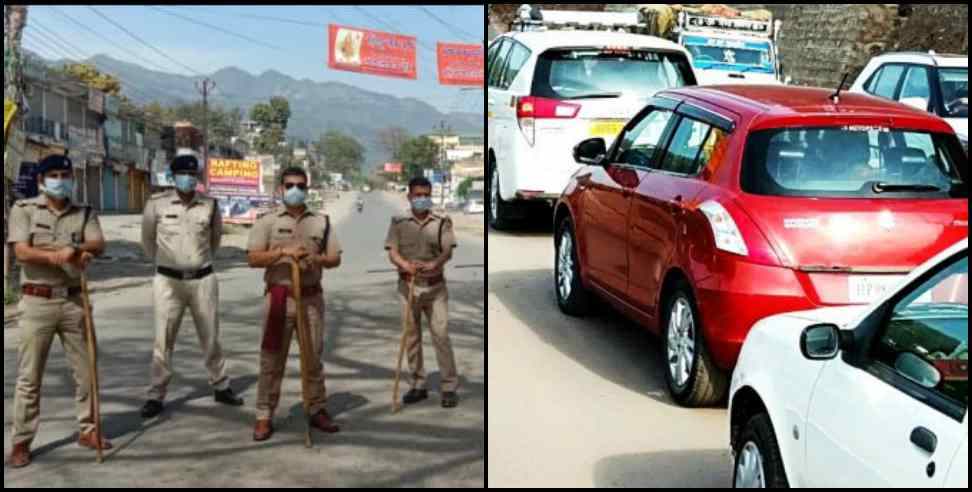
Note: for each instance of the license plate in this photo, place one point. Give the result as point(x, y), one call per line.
point(867, 289)
point(607, 128)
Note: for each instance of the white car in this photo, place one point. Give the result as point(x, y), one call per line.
point(862, 396)
point(549, 90)
point(928, 81)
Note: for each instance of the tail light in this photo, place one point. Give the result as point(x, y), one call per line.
point(529, 109)
point(724, 228)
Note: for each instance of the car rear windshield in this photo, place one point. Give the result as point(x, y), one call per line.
point(567, 73)
point(854, 162)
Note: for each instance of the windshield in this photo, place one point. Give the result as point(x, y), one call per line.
point(570, 73)
point(955, 91)
point(730, 54)
point(854, 161)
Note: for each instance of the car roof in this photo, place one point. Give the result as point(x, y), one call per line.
point(540, 41)
point(926, 58)
point(775, 102)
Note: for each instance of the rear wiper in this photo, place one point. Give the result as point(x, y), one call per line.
point(595, 95)
point(886, 188)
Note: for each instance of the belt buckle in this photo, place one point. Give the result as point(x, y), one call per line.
point(59, 292)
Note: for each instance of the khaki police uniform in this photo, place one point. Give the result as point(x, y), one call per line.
point(425, 241)
point(182, 239)
point(33, 222)
point(313, 231)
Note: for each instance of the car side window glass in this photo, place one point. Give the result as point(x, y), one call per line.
point(871, 86)
point(926, 339)
point(498, 62)
point(519, 54)
point(682, 154)
point(916, 86)
point(888, 81)
point(638, 145)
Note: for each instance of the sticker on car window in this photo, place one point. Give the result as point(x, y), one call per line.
point(801, 223)
point(866, 128)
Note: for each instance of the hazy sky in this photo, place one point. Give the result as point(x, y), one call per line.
point(302, 39)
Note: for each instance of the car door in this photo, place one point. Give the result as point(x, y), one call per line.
point(891, 413)
point(660, 204)
point(491, 61)
point(916, 88)
point(958, 475)
point(507, 127)
point(609, 197)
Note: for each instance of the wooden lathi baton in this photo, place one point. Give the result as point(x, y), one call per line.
point(406, 329)
point(304, 343)
point(92, 364)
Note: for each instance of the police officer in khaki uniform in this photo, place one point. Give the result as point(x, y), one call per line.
point(181, 231)
point(54, 239)
point(420, 244)
point(292, 231)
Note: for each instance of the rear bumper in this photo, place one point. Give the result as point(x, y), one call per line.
point(734, 299)
point(543, 171)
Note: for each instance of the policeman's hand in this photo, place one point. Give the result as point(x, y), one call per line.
point(409, 267)
point(62, 256)
point(82, 260)
point(296, 252)
point(424, 266)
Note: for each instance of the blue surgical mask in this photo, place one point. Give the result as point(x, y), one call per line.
point(186, 183)
point(295, 197)
point(422, 204)
point(58, 188)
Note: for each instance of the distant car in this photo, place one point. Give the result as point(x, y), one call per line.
point(931, 82)
point(548, 90)
point(860, 397)
point(718, 206)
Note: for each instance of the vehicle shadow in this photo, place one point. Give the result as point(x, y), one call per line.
point(605, 343)
point(707, 469)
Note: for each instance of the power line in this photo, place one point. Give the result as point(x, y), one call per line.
point(453, 29)
point(217, 28)
point(140, 40)
point(105, 39)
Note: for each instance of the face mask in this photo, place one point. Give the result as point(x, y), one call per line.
point(422, 204)
point(295, 197)
point(185, 183)
point(58, 188)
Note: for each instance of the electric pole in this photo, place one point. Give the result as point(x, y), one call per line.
point(206, 86)
point(443, 131)
point(14, 22)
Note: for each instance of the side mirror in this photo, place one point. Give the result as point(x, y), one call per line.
point(823, 342)
point(918, 103)
point(590, 152)
point(918, 370)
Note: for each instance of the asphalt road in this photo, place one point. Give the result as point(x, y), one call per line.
point(198, 443)
point(582, 402)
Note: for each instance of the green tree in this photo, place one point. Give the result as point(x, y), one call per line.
point(464, 188)
point(342, 154)
point(419, 154)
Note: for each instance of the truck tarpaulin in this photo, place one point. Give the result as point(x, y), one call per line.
point(372, 52)
point(461, 64)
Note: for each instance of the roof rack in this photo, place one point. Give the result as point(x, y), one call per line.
point(535, 19)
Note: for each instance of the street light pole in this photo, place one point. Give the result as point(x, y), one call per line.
point(206, 86)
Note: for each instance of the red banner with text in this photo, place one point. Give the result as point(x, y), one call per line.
point(461, 64)
point(372, 52)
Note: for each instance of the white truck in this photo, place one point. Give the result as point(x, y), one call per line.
point(728, 46)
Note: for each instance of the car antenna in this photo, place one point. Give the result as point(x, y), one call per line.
point(835, 97)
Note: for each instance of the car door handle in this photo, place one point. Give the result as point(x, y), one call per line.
point(925, 439)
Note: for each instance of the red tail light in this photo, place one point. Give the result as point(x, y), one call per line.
point(529, 109)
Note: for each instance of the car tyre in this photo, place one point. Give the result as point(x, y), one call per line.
point(693, 378)
point(499, 211)
point(758, 462)
point(572, 297)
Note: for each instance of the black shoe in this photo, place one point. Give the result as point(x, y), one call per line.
point(415, 396)
point(226, 397)
point(152, 409)
point(450, 399)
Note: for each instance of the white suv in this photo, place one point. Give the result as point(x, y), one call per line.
point(873, 397)
point(931, 82)
point(549, 90)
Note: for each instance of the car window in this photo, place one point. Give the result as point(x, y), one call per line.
point(498, 62)
point(932, 324)
point(565, 73)
point(887, 83)
point(491, 55)
point(916, 86)
point(638, 145)
point(682, 154)
point(871, 85)
point(852, 162)
point(519, 55)
point(955, 91)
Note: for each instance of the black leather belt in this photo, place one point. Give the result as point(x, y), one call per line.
point(49, 292)
point(190, 275)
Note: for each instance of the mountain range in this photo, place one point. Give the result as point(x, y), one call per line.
point(316, 107)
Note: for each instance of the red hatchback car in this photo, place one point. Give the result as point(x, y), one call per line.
point(719, 206)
